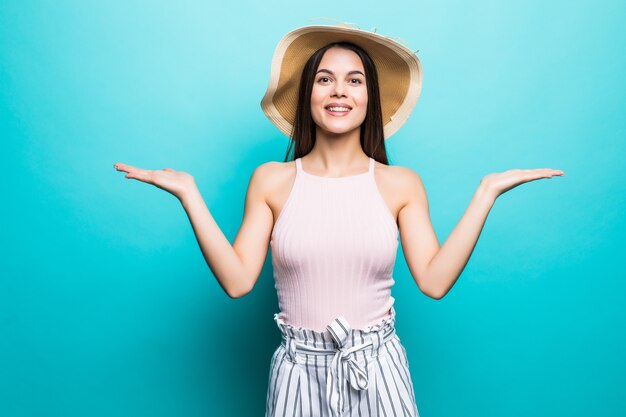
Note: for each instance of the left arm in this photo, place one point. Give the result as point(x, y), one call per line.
point(446, 266)
point(436, 269)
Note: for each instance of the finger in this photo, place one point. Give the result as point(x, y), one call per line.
point(542, 172)
point(133, 172)
point(123, 167)
point(545, 173)
point(554, 171)
point(168, 169)
point(528, 175)
point(140, 174)
point(551, 172)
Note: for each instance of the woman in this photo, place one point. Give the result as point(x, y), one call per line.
point(332, 217)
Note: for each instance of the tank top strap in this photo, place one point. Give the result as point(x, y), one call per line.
point(371, 166)
point(298, 166)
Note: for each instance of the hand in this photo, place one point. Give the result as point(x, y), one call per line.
point(177, 183)
point(498, 183)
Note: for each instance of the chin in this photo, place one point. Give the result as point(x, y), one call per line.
point(338, 131)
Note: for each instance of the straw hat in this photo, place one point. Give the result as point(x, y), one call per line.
point(399, 73)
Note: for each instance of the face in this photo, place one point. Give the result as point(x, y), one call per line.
point(339, 95)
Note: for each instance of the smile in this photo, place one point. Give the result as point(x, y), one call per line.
point(337, 111)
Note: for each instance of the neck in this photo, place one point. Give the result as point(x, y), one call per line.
point(337, 154)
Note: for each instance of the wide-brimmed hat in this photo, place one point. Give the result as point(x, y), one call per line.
point(399, 73)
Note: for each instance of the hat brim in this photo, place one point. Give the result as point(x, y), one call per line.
point(399, 73)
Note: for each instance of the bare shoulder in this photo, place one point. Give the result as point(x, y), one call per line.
point(408, 177)
point(274, 181)
point(273, 174)
point(402, 182)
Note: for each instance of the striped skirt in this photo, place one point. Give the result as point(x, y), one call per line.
point(340, 372)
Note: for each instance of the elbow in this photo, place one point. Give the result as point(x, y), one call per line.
point(238, 292)
point(437, 296)
point(430, 289)
point(430, 284)
point(233, 295)
point(433, 293)
point(436, 293)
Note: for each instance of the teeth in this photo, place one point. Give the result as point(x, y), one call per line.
point(338, 109)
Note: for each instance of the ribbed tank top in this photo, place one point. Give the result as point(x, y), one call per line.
point(334, 247)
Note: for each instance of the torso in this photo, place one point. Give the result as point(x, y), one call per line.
point(387, 180)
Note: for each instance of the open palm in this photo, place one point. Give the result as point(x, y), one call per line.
point(175, 182)
point(501, 182)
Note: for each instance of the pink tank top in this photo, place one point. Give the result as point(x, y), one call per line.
point(334, 247)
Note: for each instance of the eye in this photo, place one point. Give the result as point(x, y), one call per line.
point(322, 79)
point(357, 81)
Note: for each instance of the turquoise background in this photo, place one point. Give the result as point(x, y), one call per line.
point(107, 307)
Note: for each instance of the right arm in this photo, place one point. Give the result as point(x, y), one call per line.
point(236, 267)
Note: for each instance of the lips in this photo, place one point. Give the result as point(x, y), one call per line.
point(338, 109)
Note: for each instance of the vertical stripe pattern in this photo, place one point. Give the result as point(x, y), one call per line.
point(340, 372)
point(334, 246)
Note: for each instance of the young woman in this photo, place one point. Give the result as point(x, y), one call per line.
point(333, 216)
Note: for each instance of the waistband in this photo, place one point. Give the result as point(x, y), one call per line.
point(340, 341)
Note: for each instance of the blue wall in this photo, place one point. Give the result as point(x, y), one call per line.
point(107, 307)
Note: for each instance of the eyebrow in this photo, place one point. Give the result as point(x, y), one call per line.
point(332, 73)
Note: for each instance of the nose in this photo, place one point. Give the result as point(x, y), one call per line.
point(338, 91)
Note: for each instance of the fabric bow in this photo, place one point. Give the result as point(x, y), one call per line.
point(343, 366)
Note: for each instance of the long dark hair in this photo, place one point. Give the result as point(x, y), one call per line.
point(303, 133)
